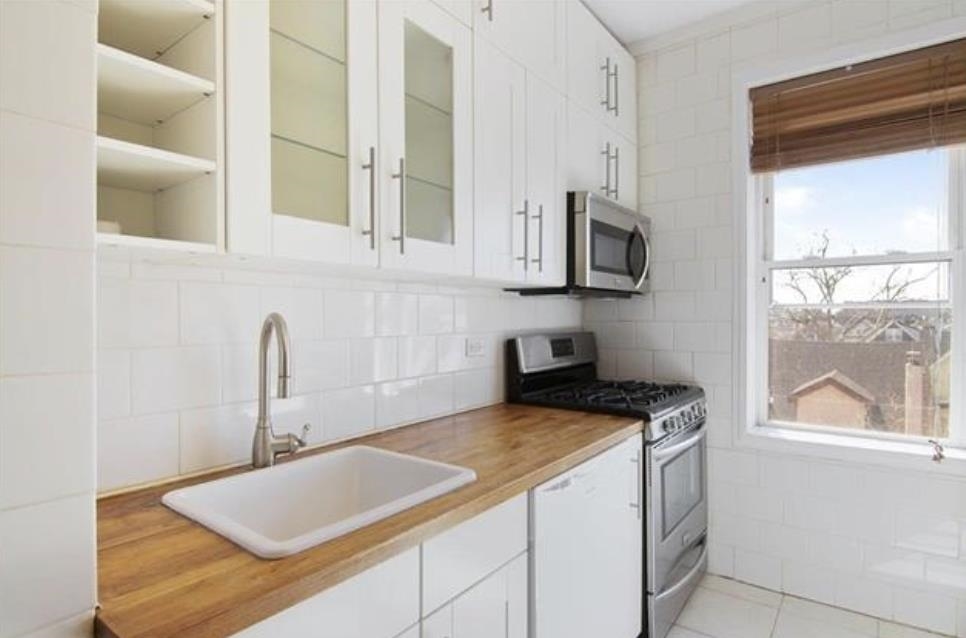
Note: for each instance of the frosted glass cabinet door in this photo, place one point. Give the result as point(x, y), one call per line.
point(302, 118)
point(425, 119)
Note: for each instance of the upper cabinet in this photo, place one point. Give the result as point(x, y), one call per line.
point(159, 124)
point(425, 158)
point(520, 204)
point(601, 74)
point(302, 129)
point(599, 159)
point(531, 32)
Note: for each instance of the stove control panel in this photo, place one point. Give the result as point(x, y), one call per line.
point(683, 417)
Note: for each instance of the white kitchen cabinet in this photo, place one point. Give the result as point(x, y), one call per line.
point(599, 159)
point(495, 607)
point(501, 212)
point(587, 548)
point(425, 158)
point(531, 32)
point(601, 74)
point(466, 553)
point(378, 603)
point(302, 119)
point(519, 154)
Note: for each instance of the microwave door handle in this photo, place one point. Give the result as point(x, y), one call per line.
point(638, 278)
point(661, 454)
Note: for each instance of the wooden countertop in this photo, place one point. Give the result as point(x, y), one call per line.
point(161, 574)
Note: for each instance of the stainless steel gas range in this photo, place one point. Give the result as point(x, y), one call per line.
point(560, 370)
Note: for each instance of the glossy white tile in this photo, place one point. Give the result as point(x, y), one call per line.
point(397, 314)
point(46, 438)
point(113, 383)
point(301, 307)
point(435, 395)
point(46, 566)
point(39, 288)
point(33, 155)
point(372, 360)
point(417, 356)
point(135, 313)
point(435, 314)
point(212, 437)
point(213, 313)
point(136, 450)
point(397, 402)
point(349, 313)
point(320, 365)
point(348, 412)
point(174, 378)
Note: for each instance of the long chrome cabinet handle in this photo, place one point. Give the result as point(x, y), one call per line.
point(488, 10)
point(401, 176)
point(371, 167)
point(606, 153)
point(615, 192)
point(616, 106)
point(539, 259)
point(606, 69)
point(526, 233)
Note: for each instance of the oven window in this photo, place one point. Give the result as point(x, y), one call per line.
point(683, 486)
point(608, 248)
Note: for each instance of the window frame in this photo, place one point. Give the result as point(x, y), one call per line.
point(761, 280)
point(748, 356)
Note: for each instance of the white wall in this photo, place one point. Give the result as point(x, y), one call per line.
point(866, 537)
point(46, 318)
point(177, 346)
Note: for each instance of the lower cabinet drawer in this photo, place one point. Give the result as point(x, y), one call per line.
point(380, 602)
point(465, 554)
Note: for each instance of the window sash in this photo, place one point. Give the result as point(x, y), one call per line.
point(761, 283)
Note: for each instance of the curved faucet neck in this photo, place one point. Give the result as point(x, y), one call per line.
point(274, 323)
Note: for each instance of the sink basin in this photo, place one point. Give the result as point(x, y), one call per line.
point(288, 508)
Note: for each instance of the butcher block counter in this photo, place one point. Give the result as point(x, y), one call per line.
point(160, 574)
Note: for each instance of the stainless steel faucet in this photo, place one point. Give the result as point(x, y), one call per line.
point(266, 445)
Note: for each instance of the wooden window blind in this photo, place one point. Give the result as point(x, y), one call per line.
point(903, 102)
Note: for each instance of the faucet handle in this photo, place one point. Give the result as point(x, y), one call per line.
point(302, 441)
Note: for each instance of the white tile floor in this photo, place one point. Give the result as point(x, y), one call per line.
point(722, 608)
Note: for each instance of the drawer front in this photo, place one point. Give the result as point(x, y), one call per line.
point(465, 554)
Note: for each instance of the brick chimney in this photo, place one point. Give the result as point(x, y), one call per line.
point(916, 398)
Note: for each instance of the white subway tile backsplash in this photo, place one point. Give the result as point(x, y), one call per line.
point(320, 365)
point(417, 356)
point(348, 412)
point(45, 421)
point(219, 313)
point(113, 383)
point(349, 313)
point(301, 307)
point(46, 286)
point(136, 313)
point(173, 378)
point(435, 396)
point(137, 450)
point(33, 155)
point(928, 533)
point(372, 360)
point(397, 402)
point(212, 437)
point(46, 563)
point(397, 314)
point(436, 314)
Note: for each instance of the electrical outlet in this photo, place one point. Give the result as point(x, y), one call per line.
point(475, 347)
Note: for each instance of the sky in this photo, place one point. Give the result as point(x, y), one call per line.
point(869, 207)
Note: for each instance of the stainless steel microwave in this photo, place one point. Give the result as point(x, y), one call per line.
point(608, 246)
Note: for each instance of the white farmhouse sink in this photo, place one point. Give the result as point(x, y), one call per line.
point(285, 509)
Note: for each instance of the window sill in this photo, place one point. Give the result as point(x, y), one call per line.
point(855, 449)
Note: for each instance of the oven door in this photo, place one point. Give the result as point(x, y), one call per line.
point(612, 251)
point(677, 506)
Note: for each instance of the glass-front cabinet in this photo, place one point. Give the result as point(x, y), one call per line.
point(349, 133)
point(302, 129)
point(425, 118)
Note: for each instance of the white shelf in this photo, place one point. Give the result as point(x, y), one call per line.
point(139, 90)
point(111, 239)
point(149, 27)
point(143, 168)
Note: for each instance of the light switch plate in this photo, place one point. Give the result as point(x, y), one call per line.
point(475, 347)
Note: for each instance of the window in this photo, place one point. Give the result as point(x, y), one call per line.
point(855, 278)
point(855, 283)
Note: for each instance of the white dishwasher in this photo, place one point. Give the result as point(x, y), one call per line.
point(586, 534)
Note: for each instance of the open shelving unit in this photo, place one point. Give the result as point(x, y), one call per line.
point(160, 151)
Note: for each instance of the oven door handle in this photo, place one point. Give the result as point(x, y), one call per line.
point(694, 571)
point(661, 454)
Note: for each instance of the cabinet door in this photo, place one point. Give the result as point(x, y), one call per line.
point(501, 210)
point(532, 32)
point(482, 611)
point(587, 165)
point(426, 136)
point(439, 624)
point(624, 86)
point(297, 185)
point(546, 114)
point(624, 171)
point(587, 53)
point(518, 597)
